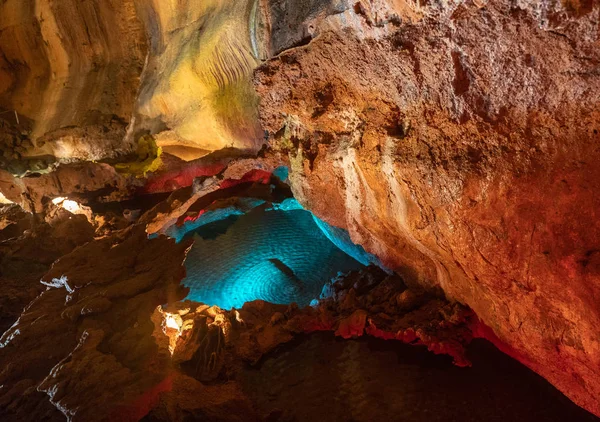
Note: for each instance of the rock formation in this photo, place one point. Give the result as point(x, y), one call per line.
point(113, 346)
point(455, 141)
point(71, 64)
point(104, 73)
point(462, 150)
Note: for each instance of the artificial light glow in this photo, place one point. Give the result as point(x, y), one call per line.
point(71, 206)
point(172, 329)
point(170, 322)
point(238, 318)
point(4, 199)
point(280, 257)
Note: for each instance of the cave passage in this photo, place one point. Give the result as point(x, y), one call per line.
point(280, 255)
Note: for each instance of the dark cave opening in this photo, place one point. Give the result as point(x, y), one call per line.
point(368, 379)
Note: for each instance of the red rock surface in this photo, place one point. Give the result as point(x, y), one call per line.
point(462, 149)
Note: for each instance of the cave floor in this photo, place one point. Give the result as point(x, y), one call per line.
point(323, 378)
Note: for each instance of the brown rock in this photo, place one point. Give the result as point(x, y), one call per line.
point(352, 326)
point(85, 358)
point(462, 150)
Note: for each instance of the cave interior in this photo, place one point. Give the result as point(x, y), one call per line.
point(319, 210)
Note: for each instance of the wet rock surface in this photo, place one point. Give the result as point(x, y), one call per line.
point(86, 341)
point(28, 247)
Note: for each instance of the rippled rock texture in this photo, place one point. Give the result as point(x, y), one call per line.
point(252, 240)
point(457, 141)
point(276, 256)
point(83, 81)
point(463, 151)
point(68, 63)
point(98, 342)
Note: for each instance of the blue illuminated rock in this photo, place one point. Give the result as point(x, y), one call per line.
point(277, 256)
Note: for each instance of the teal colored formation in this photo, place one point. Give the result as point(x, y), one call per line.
point(277, 252)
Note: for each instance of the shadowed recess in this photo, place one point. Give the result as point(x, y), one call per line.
point(274, 255)
point(377, 380)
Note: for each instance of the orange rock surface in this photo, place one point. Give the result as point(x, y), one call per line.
point(463, 151)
